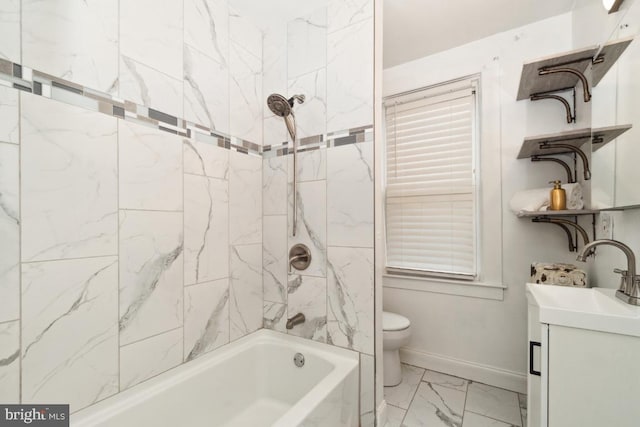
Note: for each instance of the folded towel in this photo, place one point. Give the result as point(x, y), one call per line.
point(530, 200)
point(538, 199)
point(558, 274)
point(574, 196)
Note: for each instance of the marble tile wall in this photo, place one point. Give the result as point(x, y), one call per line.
point(326, 59)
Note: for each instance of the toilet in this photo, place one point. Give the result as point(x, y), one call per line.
point(396, 333)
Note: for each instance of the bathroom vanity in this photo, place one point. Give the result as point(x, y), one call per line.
point(584, 358)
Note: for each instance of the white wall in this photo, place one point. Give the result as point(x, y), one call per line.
point(485, 339)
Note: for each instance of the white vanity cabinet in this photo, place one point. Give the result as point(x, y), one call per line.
point(580, 376)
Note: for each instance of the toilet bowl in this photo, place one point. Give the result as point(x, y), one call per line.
point(396, 333)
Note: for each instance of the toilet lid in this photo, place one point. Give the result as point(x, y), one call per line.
point(394, 322)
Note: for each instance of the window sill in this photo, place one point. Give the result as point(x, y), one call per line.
point(445, 286)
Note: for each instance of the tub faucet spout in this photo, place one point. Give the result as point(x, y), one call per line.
point(295, 320)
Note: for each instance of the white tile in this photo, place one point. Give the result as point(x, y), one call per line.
point(367, 386)
point(151, 33)
point(435, 406)
point(70, 331)
point(246, 309)
point(151, 247)
point(69, 181)
point(274, 80)
point(402, 394)
point(311, 224)
point(274, 185)
point(246, 102)
point(350, 291)
point(308, 295)
point(150, 168)
point(245, 199)
point(307, 43)
point(10, 362)
point(522, 399)
point(150, 357)
point(273, 127)
point(151, 88)
point(312, 165)
point(10, 232)
point(342, 13)
point(395, 416)
point(9, 115)
point(494, 403)
point(275, 316)
point(206, 90)
point(311, 115)
point(243, 32)
point(206, 28)
point(10, 24)
point(206, 317)
point(350, 195)
point(350, 77)
point(204, 158)
point(445, 380)
point(77, 41)
point(475, 420)
point(206, 229)
point(274, 258)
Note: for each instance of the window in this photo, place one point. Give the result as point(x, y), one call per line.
point(431, 194)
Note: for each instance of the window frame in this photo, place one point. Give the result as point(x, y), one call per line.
point(472, 82)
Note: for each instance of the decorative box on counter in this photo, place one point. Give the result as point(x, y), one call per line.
point(558, 274)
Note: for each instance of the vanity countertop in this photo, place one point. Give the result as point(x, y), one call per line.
point(595, 309)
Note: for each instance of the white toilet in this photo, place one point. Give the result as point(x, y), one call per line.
point(396, 333)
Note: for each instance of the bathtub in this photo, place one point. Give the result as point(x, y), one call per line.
point(250, 382)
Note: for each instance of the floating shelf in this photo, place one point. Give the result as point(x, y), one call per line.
point(531, 145)
point(532, 214)
point(533, 83)
point(603, 136)
point(608, 56)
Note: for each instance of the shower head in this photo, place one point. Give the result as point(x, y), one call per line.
point(281, 106)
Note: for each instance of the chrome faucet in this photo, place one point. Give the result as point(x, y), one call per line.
point(629, 290)
point(295, 320)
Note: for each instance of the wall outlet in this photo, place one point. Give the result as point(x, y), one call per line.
point(605, 228)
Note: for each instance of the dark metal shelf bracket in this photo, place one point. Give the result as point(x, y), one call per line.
point(585, 84)
point(567, 168)
point(565, 224)
point(571, 117)
point(578, 151)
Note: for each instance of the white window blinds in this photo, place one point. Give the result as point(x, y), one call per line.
point(430, 182)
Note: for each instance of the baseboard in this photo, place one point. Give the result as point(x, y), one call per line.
point(510, 380)
point(381, 414)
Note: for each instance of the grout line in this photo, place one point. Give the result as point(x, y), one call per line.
point(19, 266)
point(118, 218)
point(70, 259)
point(494, 419)
point(149, 337)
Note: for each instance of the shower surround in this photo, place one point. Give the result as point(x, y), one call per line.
point(143, 207)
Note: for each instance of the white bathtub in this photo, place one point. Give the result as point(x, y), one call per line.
point(250, 382)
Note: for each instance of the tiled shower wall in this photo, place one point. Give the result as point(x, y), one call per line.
point(125, 250)
point(327, 56)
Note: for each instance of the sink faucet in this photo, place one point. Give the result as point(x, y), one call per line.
point(630, 282)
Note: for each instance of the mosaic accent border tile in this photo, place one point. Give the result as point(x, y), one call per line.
point(33, 81)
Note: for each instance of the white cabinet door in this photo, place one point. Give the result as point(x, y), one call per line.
point(594, 378)
point(537, 365)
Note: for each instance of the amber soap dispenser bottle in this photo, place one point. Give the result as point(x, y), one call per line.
point(558, 197)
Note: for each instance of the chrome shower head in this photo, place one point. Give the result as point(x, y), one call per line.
point(281, 106)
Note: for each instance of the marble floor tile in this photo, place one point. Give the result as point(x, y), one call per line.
point(494, 403)
point(474, 420)
point(522, 399)
point(402, 394)
point(434, 406)
point(395, 416)
point(367, 388)
point(445, 380)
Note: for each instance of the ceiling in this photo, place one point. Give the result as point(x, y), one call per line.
point(417, 28)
